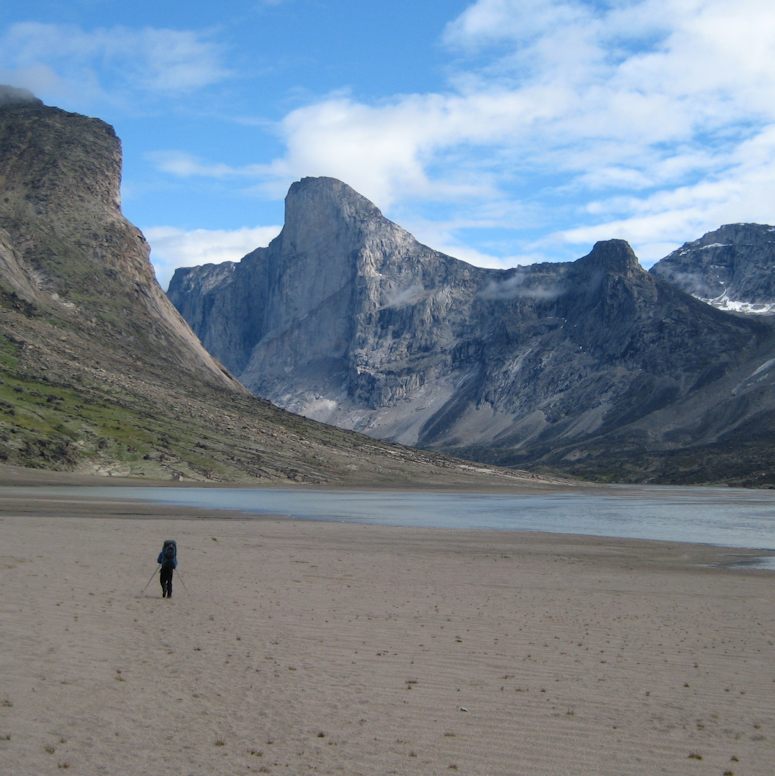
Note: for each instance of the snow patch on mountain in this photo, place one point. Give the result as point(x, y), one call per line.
point(723, 302)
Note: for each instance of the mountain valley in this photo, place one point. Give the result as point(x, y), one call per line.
point(592, 368)
point(99, 374)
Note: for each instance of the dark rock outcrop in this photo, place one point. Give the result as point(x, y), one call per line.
point(732, 268)
point(595, 366)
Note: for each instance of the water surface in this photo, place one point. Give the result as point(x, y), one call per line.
point(728, 517)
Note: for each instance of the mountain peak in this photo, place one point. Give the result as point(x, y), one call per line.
point(612, 256)
point(734, 234)
point(730, 268)
point(323, 209)
point(50, 157)
point(328, 195)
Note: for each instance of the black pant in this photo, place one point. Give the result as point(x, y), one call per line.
point(165, 577)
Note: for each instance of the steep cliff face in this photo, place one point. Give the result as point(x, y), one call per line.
point(343, 312)
point(348, 319)
point(732, 268)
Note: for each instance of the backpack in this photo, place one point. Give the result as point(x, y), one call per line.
point(169, 553)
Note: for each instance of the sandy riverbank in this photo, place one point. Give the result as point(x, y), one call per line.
point(343, 649)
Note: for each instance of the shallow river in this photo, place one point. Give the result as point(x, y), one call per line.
point(729, 517)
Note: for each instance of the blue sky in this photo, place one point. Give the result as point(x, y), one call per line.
point(499, 131)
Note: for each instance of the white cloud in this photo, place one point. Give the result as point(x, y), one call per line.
point(524, 286)
point(172, 247)
point(384, 150)
point(744, 190)
point(109, 63)
point(517, 21)
point(388, 149)
point(185, 165)
point(648, 119)
point(641, 97)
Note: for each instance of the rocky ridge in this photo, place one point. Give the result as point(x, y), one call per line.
point(732, 268)
point(594, 367)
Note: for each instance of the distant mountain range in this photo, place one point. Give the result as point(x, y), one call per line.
point(98, 371)
point(594, 367)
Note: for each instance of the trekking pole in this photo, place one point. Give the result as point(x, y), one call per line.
point(153, 574)
point(181, 581)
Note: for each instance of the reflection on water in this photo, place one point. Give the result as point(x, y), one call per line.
point(723, 516)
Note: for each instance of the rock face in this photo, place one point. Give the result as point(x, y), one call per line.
point(732, 268)
point(594, 367)
point(98, 371)
point(344, 312)
point(64, 243)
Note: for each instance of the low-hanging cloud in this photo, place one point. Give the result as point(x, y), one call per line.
point(524, 285)
point(403, 297)
point(11, 95)
point(694, 282)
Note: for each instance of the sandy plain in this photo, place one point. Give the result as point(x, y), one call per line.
point(319, 648)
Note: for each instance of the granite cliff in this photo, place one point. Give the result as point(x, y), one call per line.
point(594, 367)
point(98, 371)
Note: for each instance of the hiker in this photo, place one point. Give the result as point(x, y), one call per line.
point(168, 558)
